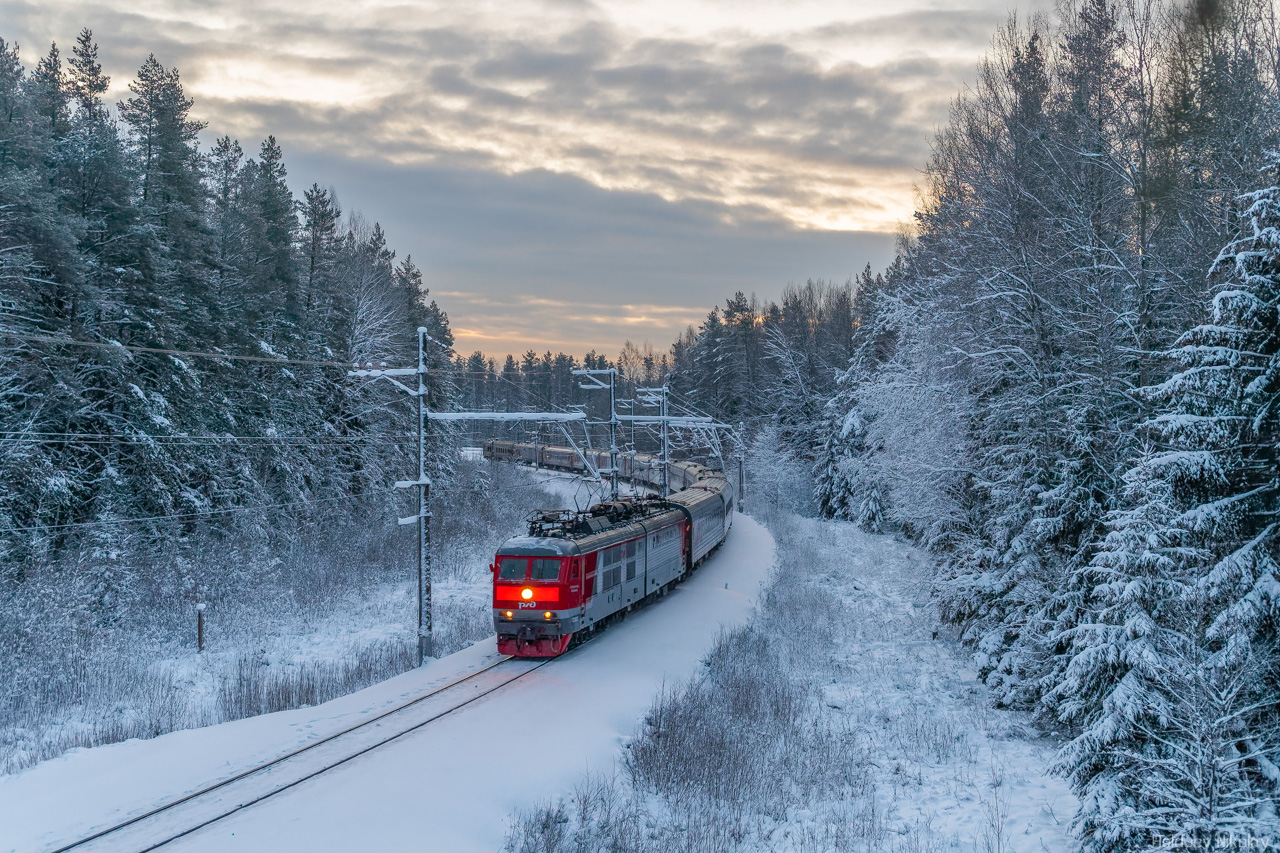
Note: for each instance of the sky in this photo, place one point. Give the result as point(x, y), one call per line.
point(571, 174)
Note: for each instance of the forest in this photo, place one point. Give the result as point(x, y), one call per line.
point(1065, 388)
point(178, 429)
point(177, 326)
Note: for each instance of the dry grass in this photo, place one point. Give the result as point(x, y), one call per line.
point(249, 688)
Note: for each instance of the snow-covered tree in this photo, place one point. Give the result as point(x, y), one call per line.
point(835, 484)
point(1174, 666)
point(123, 230)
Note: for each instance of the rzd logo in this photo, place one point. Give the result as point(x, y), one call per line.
point(528, 605)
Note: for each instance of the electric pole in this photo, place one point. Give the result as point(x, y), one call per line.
point(424, 515)
point(658, 397)
point(423, 483)
point(742, 477)
point(596, 385)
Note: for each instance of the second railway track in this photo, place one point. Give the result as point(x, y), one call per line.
point(156, 827)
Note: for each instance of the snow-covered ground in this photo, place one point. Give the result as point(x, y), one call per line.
point(947, 765)
point(449, 787)
point(843, 719)
point(848, 622)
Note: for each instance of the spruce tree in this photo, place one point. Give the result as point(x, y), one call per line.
point(49, 92)
point(1175, 663)
point(320, 216)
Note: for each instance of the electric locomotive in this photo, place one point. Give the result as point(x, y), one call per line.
point(576, 571)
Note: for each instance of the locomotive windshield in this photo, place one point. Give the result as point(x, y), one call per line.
point(512, 568)
point(545, 569)
point(518, 568)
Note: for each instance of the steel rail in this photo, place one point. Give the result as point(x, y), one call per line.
point(338, 763)
point(294, 754)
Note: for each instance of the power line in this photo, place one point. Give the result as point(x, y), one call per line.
point(260, 359)
point(18, 435)
point(173, 517)
point(255, 358)
point(45, 438)
point(256, 508)
point(108, 438)
point(103, 442)
point(161, 351)
point(213, 435)
point(178, 441)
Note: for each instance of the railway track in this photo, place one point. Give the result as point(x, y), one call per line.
point(167, 823)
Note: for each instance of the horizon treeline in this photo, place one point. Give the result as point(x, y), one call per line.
point(749, 358)
point(1067, 388)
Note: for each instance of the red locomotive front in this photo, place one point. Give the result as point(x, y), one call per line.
point(578, 571)
point(538, 593)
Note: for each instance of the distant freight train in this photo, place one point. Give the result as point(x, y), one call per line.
point(577, 571)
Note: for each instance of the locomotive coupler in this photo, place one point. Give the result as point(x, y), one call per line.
point(526, 635)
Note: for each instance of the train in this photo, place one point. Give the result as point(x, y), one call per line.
point(577, 571)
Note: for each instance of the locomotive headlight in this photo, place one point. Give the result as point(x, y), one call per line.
point(546, 615)
point(526, 593)
point(508, 614)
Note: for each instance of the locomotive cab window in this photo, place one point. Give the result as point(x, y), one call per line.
point(512, 568)
point(545, 569)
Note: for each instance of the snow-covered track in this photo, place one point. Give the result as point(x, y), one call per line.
point(171, 821)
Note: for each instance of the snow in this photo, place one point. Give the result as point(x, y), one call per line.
point(948, 760)
point(924, 762)
point(945, 768)
point(450, 786)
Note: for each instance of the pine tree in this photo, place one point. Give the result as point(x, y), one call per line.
point(277, 209)
point(85, 81)
point(739, 354)
point(320, 217)
point(229, 228)
point(165, 140)
point(509, 385)
point(707, 357)
point(35, 231)
point(93, 174)
point(271, 224)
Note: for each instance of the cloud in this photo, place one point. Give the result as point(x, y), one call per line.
point(933, 30)
point(734, 118)
point(679, 148)
point(548, 261)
